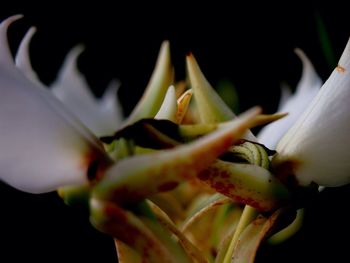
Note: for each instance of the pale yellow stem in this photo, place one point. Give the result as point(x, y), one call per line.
point(248, 215)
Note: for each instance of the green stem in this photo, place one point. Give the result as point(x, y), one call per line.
point(249, 213)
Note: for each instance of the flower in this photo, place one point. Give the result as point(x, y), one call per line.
point(101, 116)
point(294, 105)
point(43, 146)
point(145, 181)
point(315, 148)
point(47, 147)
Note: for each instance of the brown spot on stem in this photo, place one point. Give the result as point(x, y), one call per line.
point(340, 69)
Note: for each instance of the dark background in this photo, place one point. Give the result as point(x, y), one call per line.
point(248, 44)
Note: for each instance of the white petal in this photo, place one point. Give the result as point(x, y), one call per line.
point(23, 58)
point(168, 108)
point(42, 146)
point(307, 89)
point(72, 89)
point(286, 95)
point(110, 109)
point(318, 144)
point(6, 60)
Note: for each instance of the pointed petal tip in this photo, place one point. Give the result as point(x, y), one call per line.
point(75, 52)
point(263, 119)
point(152, 98)
point(304, 59)
point(164, 49)
point(5, 54)
point(70, 63)
point(6, 22)
point(190, 59)
point(193, 68)
point(79, 48)
point(31, 31)
point(300, 53)
point(165, 44)
point(22, 56)
point(189, 55)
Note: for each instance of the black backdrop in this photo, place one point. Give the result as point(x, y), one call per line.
point(251, 45)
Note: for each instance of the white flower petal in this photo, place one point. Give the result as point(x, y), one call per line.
point(286, 95)
point(72, 89)
point(23, 58)
point(42, 146)
point(307, 89)
point(317, 145)
point(5, 54)
point(110, 108)
point(168, 109)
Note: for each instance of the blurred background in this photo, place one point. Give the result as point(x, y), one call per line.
point(250, 46)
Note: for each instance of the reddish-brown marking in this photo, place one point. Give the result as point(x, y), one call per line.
point(167, 186)
point(224, 175)
point(219, 186)
point(204, 175)
point(251, 202)
point(95, 163)
point(120, 226)
point(340, 69)
point(231, 186)
point(122, 195)
point(115, 213)
point(285, 172)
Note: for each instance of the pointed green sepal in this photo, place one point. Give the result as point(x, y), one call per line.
point(157, 87)
point(211, 107)
point(129, 179)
